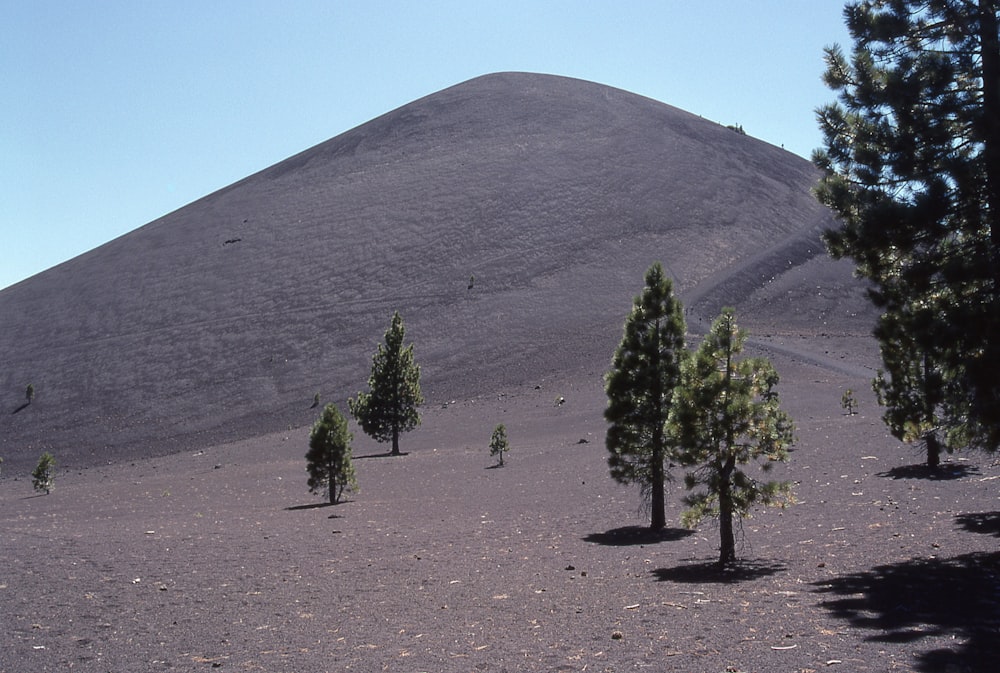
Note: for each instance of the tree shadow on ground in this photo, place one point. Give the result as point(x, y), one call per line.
point(21, 408)
point(709, 572)
point(312, 505)
point(948, 598)
point(387, 454)
point(637, 535)
point(987, 523)
point(944, 472)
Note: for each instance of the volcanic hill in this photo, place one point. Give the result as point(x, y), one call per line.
point(509, 219)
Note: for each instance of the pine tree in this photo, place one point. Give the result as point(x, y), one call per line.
point(922, 404)
point(498, 443)
point(328, 460)
point(912, 168)
point(390, 406)
point(43, 476)
point(726, 415)
point(640, 386)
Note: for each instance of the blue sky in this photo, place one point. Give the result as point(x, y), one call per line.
point(116, 112)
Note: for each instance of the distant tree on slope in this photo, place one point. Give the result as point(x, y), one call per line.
point(43, 476)
point(640, 387)
point(328, 460)
point(390, 406)
point(499, 444)
point(726, 415)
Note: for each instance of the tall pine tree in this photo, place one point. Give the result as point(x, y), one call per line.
point(390, 406)
point(727, 415)
point(640, 387)
point(912, 168)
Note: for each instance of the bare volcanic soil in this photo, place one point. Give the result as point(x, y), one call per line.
point(220, 559)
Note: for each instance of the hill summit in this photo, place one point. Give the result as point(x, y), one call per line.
point(508, 218)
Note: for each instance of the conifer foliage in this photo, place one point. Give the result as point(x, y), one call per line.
point(499, 444)
point(328, 460)
point(43, 477)
point(911, 163)
point(726, 416)
point(640, 386)
point(390, 406)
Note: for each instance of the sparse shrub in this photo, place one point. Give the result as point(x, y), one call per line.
point(315, 400)
point(328, 460)
point(43, 477)
point(499, 444)
point(29, 392)
point(849, 403)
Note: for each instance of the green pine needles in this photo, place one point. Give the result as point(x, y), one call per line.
point(640, 386)
point(390, 406)
point(43, 477)
point(726, 416)
point(712, 413)
point(328, 460)
point(499, 444)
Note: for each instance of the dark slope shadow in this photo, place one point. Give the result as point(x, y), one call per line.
point(987, 523)
point(945, 472)
point(941, 597)
point(637, 535)
point(387, 454)
point(709, 572)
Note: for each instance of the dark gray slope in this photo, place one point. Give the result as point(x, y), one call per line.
point(222, 319)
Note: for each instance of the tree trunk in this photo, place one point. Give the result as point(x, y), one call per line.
point(990, 45)
point(331, 481)
point(727, 546)
point(658, 518)
point(933, 449)
point(395, 440)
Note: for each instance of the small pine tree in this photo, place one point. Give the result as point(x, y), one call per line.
point(328, 460)
point(499, 444)
point(848, 402)
point(29, 393)
point(391, 405)
point(726, 415)
point(43, 477)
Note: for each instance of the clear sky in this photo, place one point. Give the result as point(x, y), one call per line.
point(115, 112)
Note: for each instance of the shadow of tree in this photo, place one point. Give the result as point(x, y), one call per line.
point(931, 597)
point(387, 454)
point(636, 535)
point(20, 408)
point(313, 505)
point(987, 523)
point(709, 572)
point(943, 472)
